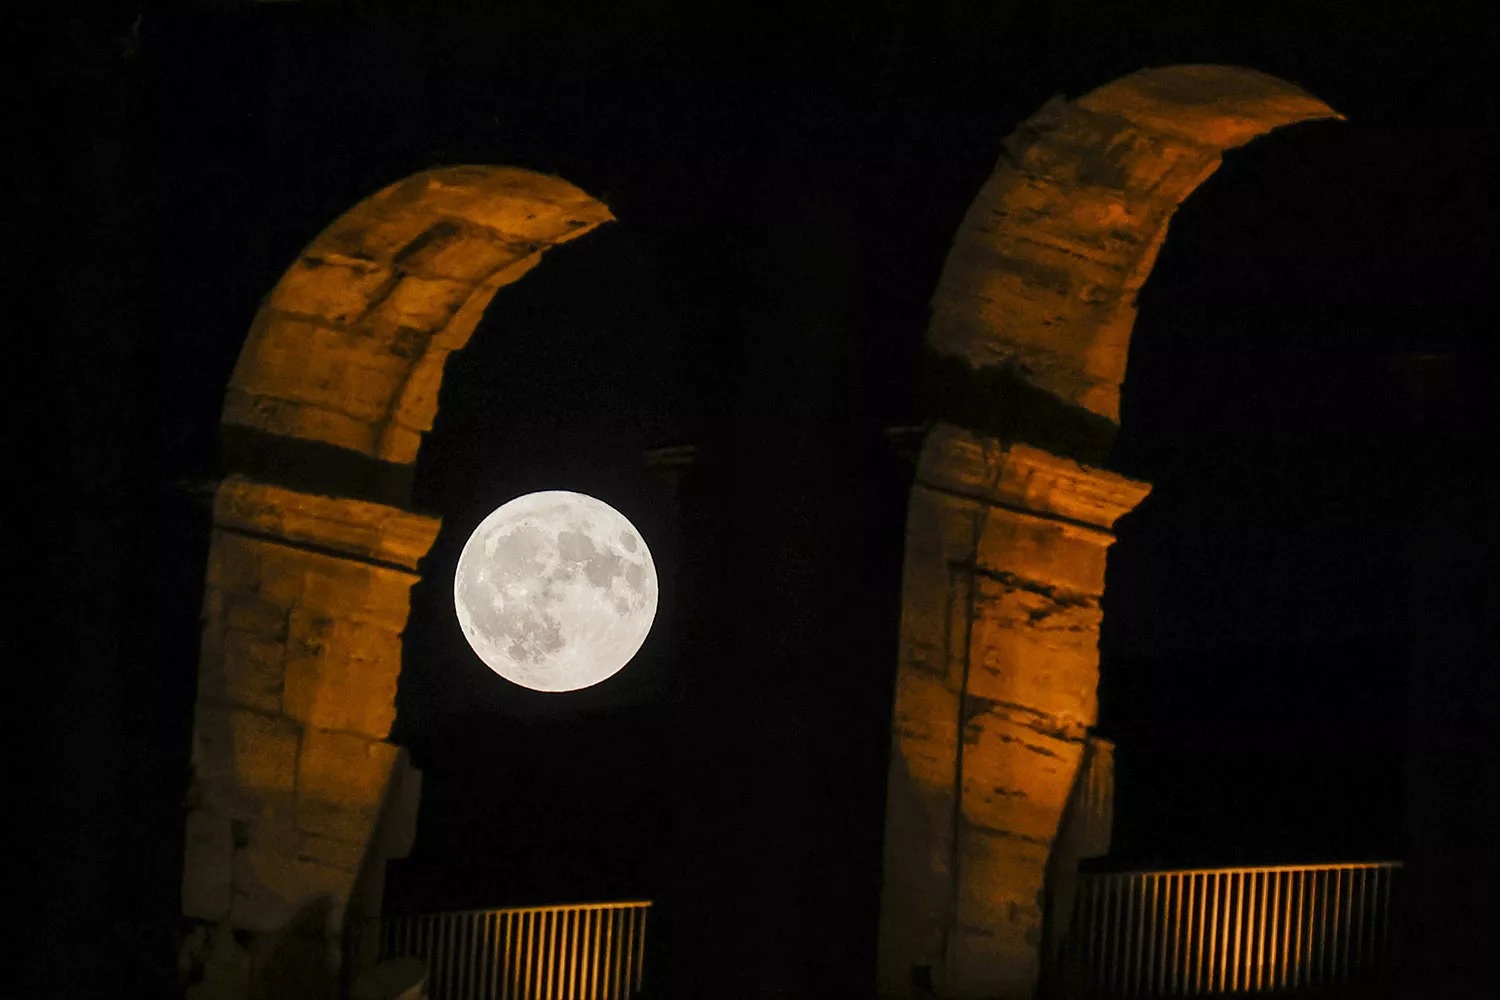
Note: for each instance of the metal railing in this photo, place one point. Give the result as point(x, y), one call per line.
point(585, 951)
point(1231, 930)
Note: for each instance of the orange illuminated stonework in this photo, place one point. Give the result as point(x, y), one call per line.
point(1011, 518)
point(297, 798)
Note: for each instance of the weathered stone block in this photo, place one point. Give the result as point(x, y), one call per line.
point(925, 726)
point(1049, 553)
point(341, 783)
point(1032, 651)
point(358, 592)
point(334, 290)
point(208, 866)
point(271, 888)
point(419, 304)
point(1016, 780)
point(347, 685)
point(999, 928)
point(452, 249)
point(330, 851)
point(250, 672)
point(240, 755)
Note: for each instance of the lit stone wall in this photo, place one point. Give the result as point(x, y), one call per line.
point(303, 610)
point(1011, 516)
point(297, 798)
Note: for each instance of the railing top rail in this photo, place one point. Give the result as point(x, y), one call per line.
point(624, 904)
point(1245, 870)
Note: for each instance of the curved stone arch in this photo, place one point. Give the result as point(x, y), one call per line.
point(297, 798)
point(348, 349)
point(1045, 268)
point(998, 786)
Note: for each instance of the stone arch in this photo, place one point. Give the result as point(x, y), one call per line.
point(997, 786)
point(297, 799)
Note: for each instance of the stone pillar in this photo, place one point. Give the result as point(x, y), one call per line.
point(996, 691)
point(304, 607)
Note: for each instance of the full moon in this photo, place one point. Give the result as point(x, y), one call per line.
point(555, 591)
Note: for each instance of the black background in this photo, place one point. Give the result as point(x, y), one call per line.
point(1311, 375)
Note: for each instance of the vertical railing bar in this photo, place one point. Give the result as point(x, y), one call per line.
point(540, 987)
point(445, 932)
point(1304, 917)
point(498, 947)
point(560, 952)
point(1273, 977)
point(557, 956)
point(585, 921)
point(1200, 977)
point(582, 947)
point(630, 956)
point(1144, 936)
point(528, 981)
point(1213, 925)
point(1315, 929)
point(1288, 884)
point(1340, 915)
point(483, 925)
point(1138, 939)
point(1247, 928)
point(456, 955)
point(1383, 906)
point(1148, 924)
point(1236, 909)
point(1349, 928)
point(1262, 930)
point(1386, 907)
point(1226, 952)
point(609, 940)
point(467, 968)
point(1325, 906)
point(1173, 926)
point(1163, 915)
point(570, 953)
point(502, 953)
point(476, 967)
point(1247, 931)
point(1357, 925)
point(1195, 933)
point(640, 958)
point(543, 956)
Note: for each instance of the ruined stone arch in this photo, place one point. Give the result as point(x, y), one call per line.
point(297, 798)
point(997, 786)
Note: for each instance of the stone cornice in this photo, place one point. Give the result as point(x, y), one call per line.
point(1020, 476)
point(368, 531)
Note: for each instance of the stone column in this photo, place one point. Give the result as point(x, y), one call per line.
point(996, 691)
point(304, 607)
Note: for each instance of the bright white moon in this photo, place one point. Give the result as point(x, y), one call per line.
point(555, 591)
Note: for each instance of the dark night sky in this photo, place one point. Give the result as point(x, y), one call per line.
point(786, 196)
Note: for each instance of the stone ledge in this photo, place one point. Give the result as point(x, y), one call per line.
point(1026, 478)
point(358, 528)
